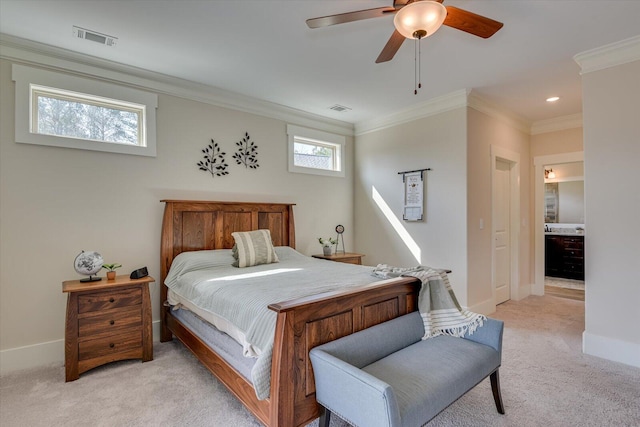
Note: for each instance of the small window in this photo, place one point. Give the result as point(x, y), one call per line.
point(78, 115)
point(64, 110)
point(315, 152)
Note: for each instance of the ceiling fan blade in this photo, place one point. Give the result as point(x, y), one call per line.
point(471, 23)
point(342, 18)
point(390, 49)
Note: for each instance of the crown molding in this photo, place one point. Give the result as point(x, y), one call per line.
point(571, 121)
point(37, 54)
point(610, 55)
point(479, 103)
point(458, 99)
point(431, 107)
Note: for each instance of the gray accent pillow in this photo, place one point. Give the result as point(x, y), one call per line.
point(253, 248)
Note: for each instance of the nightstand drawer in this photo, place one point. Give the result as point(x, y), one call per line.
point(106, 300)
point(110, 322)
point(110, 345)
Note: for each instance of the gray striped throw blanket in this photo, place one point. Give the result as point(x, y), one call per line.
point(437, 303)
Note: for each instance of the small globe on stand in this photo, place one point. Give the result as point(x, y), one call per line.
point(88, 263)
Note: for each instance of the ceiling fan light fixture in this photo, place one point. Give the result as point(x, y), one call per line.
point(420, 19)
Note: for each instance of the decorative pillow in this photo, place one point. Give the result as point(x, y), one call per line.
point(253, 248)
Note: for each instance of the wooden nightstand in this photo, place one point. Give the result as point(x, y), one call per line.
point(349, 258)
point(106, 321)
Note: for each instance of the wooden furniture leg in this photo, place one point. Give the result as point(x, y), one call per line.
point(325, 418)
point(495, 387)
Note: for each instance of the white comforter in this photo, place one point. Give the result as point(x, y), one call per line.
point(236, 300)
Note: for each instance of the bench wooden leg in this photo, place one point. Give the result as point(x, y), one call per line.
point(495, 387)
point(325, 418)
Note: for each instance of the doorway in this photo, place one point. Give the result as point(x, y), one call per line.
point(539, 212)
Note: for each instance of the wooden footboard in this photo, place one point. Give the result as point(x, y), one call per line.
point(305, 323)
point(301, 325)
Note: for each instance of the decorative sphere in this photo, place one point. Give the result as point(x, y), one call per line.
point(88, 263)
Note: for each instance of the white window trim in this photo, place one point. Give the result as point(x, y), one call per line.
point(26, 76)
point(318, 135)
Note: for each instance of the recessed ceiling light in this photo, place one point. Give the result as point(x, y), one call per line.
point(553, 99)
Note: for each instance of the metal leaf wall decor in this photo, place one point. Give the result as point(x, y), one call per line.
point(213, 162)
point(247, 153)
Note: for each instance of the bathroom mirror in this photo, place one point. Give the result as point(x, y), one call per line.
point(564, 202)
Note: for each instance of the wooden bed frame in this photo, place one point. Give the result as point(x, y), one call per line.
point(301, 324)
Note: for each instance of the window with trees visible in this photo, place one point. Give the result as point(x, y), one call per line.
point(65, 110)
point(315, 152)
point(83, 116)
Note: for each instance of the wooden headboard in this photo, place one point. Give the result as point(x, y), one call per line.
point(198, 225)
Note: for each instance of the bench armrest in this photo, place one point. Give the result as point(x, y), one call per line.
point(490, 333)
point(353, 394)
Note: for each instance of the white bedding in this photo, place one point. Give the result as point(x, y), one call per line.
point(236, 300)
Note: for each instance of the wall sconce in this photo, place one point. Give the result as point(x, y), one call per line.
point(549, 174)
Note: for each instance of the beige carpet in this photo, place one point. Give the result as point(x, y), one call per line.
point(546, 381)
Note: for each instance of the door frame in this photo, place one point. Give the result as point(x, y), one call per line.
point(539, 163)
point(513, 159)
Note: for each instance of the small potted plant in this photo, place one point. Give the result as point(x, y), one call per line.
point(327, 245)
point(111, 270)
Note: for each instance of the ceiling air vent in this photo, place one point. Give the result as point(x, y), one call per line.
point(83, 33)
point(339, 108)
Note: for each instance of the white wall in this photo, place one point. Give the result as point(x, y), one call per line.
point(612, 211)
point(457, 146)
point(556, 142)
point(55, 202)
point(484, 132)
point(437, 142)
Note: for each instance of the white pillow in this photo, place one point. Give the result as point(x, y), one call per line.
point(253, 248)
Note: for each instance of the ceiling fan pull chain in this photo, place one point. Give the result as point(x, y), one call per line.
point(417, 58)
point(415, 66)
point(420, 63)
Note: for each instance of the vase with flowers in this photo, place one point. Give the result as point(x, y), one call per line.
point(327, 245)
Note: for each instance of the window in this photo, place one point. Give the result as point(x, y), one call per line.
point(68, 111)
point(315, 152)
point(77, 115)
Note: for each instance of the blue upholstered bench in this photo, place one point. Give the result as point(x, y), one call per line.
point(387, 375)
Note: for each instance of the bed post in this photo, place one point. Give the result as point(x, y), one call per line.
point(282, 391)
point(166, 248)
point(292, 228)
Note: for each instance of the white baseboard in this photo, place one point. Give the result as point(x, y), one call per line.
point(523, 292)
point(31, 356)
point(611, 349)
point(485, 307)
point(43, 354)
point(155, 325)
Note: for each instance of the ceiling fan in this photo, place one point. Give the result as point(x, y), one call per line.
point(456, 18)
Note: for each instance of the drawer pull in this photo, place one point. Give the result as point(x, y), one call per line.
point(112, 322)
point(111, 299)
point(112, 345)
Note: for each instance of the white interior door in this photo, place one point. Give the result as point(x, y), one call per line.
point(502, 236)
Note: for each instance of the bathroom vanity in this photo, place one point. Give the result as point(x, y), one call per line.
point(564, 255)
